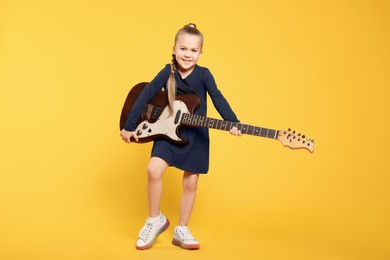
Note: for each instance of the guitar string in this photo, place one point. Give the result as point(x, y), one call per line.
point(244, 127)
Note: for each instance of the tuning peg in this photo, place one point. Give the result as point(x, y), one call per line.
point(312, 141)
point(308, 139)
point(303, 136)
point(299, 134)
point(289, 129)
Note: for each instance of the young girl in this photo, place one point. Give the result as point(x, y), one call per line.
point(180, 77)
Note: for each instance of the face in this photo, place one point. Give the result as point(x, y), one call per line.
point(187, 49)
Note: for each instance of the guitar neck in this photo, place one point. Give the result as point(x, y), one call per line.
point(202, 121)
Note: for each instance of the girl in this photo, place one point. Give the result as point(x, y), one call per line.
point(180, 77)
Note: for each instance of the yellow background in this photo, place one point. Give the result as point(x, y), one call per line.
point(71, 189)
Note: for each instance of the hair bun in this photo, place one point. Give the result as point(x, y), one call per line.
point(191, 25)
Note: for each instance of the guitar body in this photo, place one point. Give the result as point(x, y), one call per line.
point(155, 121)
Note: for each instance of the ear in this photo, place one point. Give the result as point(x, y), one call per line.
point(173, 50)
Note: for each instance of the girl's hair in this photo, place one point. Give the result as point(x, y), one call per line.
point(171, 84)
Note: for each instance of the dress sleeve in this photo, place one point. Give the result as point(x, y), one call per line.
point(145, 96)
point(219, 101)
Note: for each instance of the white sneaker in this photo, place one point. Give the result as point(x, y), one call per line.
point(151, 230)
point(182, 237)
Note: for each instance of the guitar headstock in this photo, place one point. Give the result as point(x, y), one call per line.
point(295, 140)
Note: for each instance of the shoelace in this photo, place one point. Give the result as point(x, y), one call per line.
point(145, 232)
point(185, 232)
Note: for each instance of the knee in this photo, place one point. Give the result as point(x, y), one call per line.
point(190, 184)
point(154, 173)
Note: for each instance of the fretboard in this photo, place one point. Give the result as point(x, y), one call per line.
point(202, 121)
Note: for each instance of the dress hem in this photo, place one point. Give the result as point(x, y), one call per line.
point(178, 167)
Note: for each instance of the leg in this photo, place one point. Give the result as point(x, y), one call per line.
point(182, 236)
point(155, 169)
point(157, 222)
point(190, 183)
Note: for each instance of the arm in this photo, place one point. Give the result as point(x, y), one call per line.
point(146, 95)
point(220, 102)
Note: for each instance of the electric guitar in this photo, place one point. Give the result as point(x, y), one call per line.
point(156, 122)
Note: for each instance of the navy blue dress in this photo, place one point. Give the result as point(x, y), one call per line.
point(194, 156)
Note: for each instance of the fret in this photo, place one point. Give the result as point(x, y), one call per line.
point(257, 131)
point(196, 118)
point(222, 125)
point(270, 133)
point(252, 129)
point(193, 120)
point(244, 129)
point(210, 123)
point(205, 122)
point(215, 123)
point(219, 121)
point(227, 123)
point(183, 118)
point(230, 125)
point(201, 121)
point(273, 134)
point(262, 132)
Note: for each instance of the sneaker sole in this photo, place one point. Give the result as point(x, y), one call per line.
point(185, 246)
point(147, 246)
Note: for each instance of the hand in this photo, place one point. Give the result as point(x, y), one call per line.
point(127, 135)
point(235, 131)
